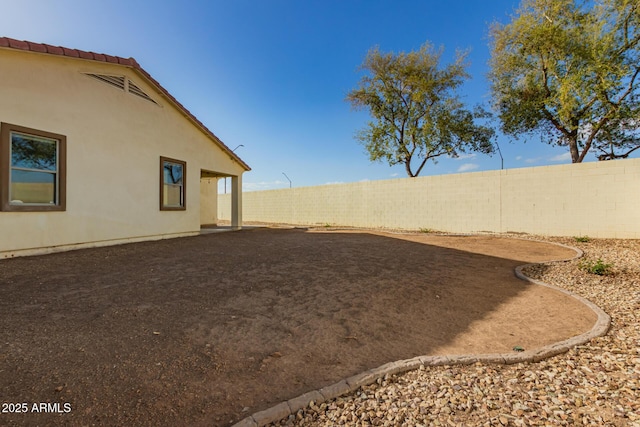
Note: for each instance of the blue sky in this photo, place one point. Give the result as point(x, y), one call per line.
point(272, 75)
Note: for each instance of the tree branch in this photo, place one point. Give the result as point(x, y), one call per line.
point(613, 156)
point(556, 123)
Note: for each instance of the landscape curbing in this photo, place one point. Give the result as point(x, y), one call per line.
point(291, 407)
point(335, 390)
point(246, 422)
point(275, 413)
point(305, 400)
point(365, 378)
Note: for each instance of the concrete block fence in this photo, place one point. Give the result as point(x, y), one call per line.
point(596, 199)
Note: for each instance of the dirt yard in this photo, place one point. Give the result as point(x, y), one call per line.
point(209, 329)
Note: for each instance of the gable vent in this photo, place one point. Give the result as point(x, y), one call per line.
point(122, 83)
point(137, 91)
point(117, 81)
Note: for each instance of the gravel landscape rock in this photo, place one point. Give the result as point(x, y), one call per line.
point(596, 384)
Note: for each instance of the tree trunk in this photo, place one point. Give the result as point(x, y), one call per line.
point(407, 166)
point(573, 149)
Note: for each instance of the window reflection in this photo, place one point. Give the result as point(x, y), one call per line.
point(34, 167)
point(32, 187)
point(32, 152)
point(172, 173)
point(173, 185)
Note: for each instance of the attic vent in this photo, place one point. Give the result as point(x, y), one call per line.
point(122, 83)
point(137, 91)
point(117, 81)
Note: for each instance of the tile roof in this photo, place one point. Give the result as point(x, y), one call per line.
point(6, 42)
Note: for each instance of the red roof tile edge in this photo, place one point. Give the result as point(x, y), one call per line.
point(127, 62)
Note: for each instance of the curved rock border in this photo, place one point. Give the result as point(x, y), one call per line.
point(292, 406)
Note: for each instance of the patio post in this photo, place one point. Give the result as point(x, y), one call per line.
point(236, 202)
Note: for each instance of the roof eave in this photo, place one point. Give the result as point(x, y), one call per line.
point(170, 98)
point(9, 43)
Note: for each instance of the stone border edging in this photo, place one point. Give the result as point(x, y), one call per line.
point(315, 397)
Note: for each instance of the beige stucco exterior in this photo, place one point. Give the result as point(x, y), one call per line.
point(208, 201)
point(597, 199)
point(114, 143)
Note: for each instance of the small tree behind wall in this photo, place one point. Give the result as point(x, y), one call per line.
point(417, 114)
point(570, 69)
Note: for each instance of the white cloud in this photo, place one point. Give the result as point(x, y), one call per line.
point(467, 167)
point(394, 174)
point(333, 182)
point(466, 156)
point(561, 157)
point(263, 185)
point(518, 157)
point(365, 180)
point(532, 160)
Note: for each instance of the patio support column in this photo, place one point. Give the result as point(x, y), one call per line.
point(236, 202)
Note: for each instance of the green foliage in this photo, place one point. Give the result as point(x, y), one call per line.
point(570, 70)
point(582, 239)
point(598, 267)
point(416, 112)
point(426, 230)
point(33, 152)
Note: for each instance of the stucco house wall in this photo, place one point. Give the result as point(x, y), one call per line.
point(114, 143)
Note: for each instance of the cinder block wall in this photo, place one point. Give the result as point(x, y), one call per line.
point(597, 199)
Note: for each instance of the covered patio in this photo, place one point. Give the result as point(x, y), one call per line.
point(209, 198)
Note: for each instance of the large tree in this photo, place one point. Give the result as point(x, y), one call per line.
point(416, 112)
point(570, 70)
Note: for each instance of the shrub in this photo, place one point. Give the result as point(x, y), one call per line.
point(596, 267)
point(582, 239)
point(426, 230)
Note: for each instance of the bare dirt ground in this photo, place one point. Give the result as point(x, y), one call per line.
point(209, 329)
